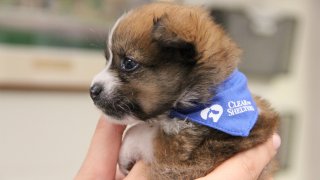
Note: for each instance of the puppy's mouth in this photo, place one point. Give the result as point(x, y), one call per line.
point(116, 104)
point(116, 107)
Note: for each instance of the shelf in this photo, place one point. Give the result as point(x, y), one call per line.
point(44, 68)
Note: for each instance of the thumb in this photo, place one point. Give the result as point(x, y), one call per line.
point(101, 159)
point(249, 164)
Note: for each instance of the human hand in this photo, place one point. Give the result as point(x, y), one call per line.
point(246, 165)
point(101, 160)
point(102, 156)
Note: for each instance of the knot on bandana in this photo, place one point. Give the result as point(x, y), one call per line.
point(232, 109)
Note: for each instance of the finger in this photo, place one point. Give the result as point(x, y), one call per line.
point(249, 164)
point(103, 152)
point(139, 171)
point(119, 175)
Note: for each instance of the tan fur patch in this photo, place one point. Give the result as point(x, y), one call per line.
point(192, 24)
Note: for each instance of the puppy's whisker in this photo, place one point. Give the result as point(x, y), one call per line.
point(122, 107)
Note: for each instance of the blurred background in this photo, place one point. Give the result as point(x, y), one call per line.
point(51, 49)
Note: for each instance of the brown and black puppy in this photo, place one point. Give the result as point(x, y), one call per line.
point(162, 58)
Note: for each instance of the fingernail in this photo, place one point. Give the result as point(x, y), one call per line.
point(276, 141)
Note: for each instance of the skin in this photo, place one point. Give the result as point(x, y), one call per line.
point(102, 156)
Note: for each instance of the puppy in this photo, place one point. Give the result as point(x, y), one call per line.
point(173, 71)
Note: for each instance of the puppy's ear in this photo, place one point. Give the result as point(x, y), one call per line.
point(164, 34)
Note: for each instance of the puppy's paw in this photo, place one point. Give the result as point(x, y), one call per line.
point(125, 165)
point(137, 145)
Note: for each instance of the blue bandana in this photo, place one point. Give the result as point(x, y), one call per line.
point(232, 109)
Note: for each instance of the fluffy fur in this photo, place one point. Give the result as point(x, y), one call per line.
point(181, 54)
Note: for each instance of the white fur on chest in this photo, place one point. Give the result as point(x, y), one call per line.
point(137, 144)
point(138, 141)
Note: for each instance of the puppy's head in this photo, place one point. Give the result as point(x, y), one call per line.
point(161, 56)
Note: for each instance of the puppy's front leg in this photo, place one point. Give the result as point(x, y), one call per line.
point(137, 145)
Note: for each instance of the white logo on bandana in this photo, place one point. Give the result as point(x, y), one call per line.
point(214, 112)
point(238, 107)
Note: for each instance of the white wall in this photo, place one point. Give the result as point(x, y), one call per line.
point(44, 135)
point(313, 142)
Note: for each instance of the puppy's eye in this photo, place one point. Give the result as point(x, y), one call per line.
point(128, 64)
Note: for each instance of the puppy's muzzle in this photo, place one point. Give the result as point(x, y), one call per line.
point(95, 91)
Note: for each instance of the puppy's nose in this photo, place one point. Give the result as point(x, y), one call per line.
point(95, 91)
